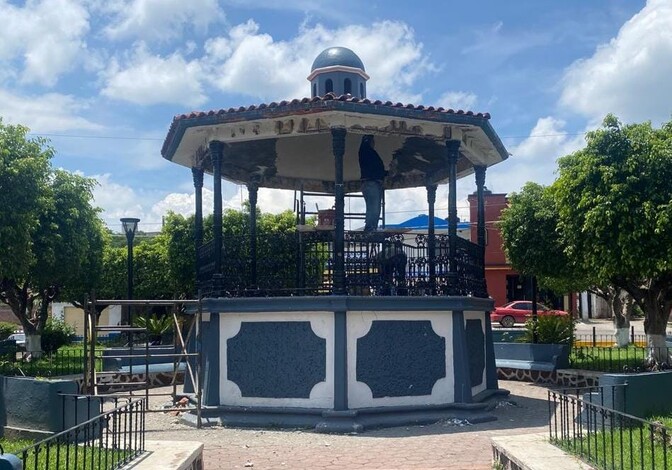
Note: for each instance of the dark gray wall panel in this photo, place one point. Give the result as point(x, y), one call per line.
point(276, 359)
point(401, 358)
point(476, 351)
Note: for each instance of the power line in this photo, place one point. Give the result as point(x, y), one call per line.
point(78, 136)
point(157, 139)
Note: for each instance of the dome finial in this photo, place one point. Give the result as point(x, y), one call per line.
point(340, 71)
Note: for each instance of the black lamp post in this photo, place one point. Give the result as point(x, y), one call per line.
point(130, 225)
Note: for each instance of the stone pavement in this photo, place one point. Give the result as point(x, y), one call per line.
point(444, 445)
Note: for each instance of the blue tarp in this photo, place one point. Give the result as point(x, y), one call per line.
point(421, 222)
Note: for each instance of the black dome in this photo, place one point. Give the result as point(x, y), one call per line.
point(337, 56)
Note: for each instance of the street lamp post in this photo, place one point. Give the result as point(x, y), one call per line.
point(130, 225)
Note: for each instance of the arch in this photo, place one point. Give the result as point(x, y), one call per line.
point(314, 90)
point(347, 86)
point(361, 90)
point(329, 86)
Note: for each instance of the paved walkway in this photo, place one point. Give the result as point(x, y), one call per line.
point(443, 445)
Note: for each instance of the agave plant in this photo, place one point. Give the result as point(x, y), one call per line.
point(156, 326)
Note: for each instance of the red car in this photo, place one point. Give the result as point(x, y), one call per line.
point(519, 311)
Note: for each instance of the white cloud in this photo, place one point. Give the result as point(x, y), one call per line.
point(51, 112)
point(249, 62)
point(48, 35)
point(150, 79)
point(629, 76)
point(534, 159)
point(458, 100)
point(116, 200)
point(160, 19)
point(182, 203)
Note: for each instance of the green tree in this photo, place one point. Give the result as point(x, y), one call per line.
point(615, 212)
point(536, 246)
point(50, 233)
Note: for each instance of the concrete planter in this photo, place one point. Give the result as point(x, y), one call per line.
point(33, 407)
point(641, 395)
point(547, 357)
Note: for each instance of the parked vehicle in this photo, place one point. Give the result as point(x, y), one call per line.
point(20, 339)
point(519, 311)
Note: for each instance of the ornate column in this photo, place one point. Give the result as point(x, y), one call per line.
point(338, 144)
point(431, 236)
point(253, 190)
point(340, 319)
point(197, 173)
point(480, 184)
point(452, 152)
point(216, 154)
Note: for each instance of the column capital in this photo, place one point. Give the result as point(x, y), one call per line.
point(216, 149)
point(452, 149)
point(338, 140)
point(431, 193)
point(479, 172)
point(197, 173)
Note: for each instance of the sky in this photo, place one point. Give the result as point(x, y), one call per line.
point(102, 79)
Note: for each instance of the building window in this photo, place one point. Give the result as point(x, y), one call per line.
point(347, 87)
point(361, 90)
point(314, 90)
point(329, 86)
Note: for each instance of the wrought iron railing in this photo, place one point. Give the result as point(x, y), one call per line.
point(378, 263)
point(611, 359)
point(53, 364)
point(604, 437)
point(107, 441)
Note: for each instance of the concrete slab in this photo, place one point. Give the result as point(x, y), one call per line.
point(532, 452)
point(170, 455)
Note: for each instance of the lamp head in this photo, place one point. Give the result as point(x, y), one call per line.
point(130, 225)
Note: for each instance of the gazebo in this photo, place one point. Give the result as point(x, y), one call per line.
point(317, 327)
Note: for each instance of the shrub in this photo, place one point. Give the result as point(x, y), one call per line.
point(157, 327)
point(56, 333)
point(551, 329)
point(7, 329)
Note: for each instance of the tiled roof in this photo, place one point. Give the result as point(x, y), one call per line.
point(317, 102)
point(330, 97)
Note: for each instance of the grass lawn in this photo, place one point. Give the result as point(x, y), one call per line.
point(67, 456)
point(68, 360)
point(627, 443)
point(608, 359)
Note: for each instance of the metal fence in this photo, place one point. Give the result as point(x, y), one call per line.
point(593, 339)
point(610, 359)
point(107, 441)
point(61, 362)
point(377, 263)
point(588, 426)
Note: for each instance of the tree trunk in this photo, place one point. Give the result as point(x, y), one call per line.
point(33, 346)
point(655, 325)
point(621, 306)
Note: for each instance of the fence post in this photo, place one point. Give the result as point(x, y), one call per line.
point(594, 337)
point(632, 334)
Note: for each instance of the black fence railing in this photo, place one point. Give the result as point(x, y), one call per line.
point(378, 263)
point(59, 363)
point(606, 339)
point(604, 437)
point(610, 359)
point(107, 441)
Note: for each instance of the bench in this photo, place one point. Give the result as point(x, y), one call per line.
point(526, 356)
point(160, 359)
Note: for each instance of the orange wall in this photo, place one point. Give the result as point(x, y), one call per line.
point(496, 265)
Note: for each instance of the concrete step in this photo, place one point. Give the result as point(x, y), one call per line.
point(169, 455)
point(532, 452)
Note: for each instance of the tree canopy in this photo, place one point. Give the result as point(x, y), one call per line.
point(606, 220)
point(51, 235)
